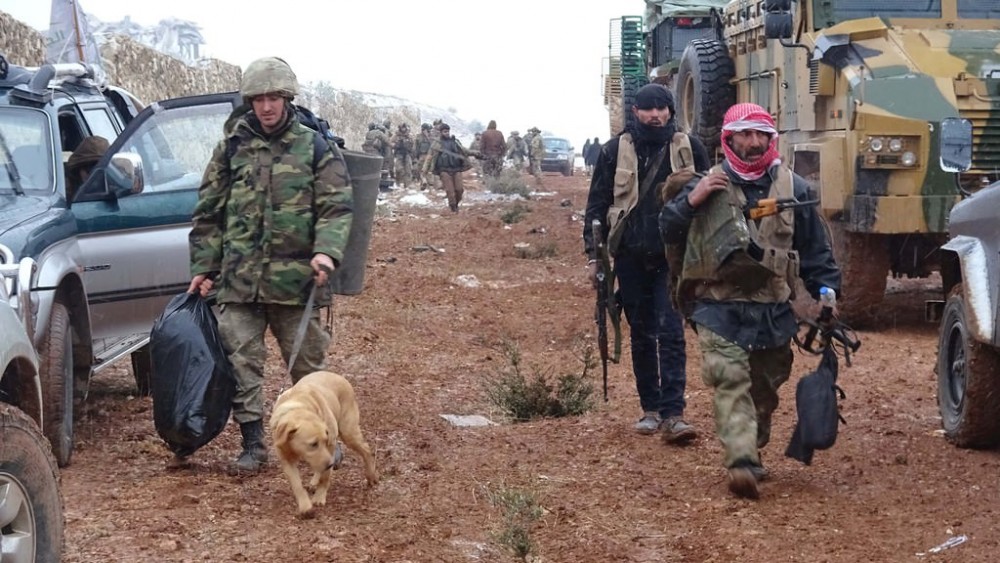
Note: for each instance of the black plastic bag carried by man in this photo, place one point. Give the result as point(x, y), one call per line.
point(816, 405)
point(192, 381)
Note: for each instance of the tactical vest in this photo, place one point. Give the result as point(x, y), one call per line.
point(730, 258)
point(626, 182)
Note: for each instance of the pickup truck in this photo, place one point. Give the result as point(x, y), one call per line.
point(111, 255)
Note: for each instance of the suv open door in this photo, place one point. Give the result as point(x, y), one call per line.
point(134, 215)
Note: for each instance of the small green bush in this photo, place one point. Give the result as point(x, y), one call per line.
point(509, 182)
point(525, 398)
point(520, 511)
point(515, 213)
point(537, 251)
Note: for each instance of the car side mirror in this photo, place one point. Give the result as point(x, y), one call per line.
point(124, 174)
point(956, 144)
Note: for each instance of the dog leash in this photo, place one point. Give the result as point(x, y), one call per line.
point(300, 332)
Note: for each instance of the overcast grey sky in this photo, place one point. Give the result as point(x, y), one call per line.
point(522, 62)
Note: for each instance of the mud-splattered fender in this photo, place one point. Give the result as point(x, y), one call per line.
point(975, 285)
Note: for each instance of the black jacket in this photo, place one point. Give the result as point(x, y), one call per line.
point(641, 237)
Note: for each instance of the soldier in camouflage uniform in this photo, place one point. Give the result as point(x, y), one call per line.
point(474, 148)
point(273, 212)
point(378, 143)
point(741, 312)
point(421, 148)
point(536, 152)
point(402, 148)
point(517, 149)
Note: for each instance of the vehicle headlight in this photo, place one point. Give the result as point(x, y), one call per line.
point(908, 159)
point(895, 145)
point(876, 144)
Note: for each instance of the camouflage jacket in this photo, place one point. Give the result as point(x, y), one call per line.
point(265, 207)
point(537, 147)
point(402, 145)
point(516, 148)
point(422, 144)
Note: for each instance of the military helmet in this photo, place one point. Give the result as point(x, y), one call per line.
point(514, 133)
point(372, 126)
point(425, 126)
point(269, 75)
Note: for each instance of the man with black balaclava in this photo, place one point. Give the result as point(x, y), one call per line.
point(628, 207)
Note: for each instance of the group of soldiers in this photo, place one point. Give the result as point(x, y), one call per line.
point(515, 149)
point(404, 154)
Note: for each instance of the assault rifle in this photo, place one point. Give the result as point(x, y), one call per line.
point(772, 206)
point(606, 303)
point(826, 331)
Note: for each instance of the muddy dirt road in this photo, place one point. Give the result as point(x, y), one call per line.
point(443, 293)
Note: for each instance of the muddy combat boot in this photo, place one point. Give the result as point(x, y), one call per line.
point(743, 481)
point(674, 430)
point(254, 454)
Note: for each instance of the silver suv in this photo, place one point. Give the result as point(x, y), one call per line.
point(111, 255)
point(968, 366)
point(31, 510)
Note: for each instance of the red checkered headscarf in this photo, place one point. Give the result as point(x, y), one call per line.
point(742, 117)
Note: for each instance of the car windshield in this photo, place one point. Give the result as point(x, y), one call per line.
point(25, 151)
point(553, 144)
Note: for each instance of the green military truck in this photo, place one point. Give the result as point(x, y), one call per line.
point(648, 48)
point(890, 107)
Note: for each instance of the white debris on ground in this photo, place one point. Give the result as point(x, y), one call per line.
point(467, 280)
point(468, 420)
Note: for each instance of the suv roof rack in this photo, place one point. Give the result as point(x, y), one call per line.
point(39, 89)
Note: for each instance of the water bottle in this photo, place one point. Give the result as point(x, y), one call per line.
point(827, 298)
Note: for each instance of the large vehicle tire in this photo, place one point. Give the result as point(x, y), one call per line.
point(142, 370)
point(630, 87)
point(968, 373)
point(31, 507)
point(864, 265)
point(704, 91)
point(56, 354)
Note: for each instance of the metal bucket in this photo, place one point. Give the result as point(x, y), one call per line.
point(365, 171)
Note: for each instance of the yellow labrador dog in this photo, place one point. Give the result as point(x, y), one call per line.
point(306, 422)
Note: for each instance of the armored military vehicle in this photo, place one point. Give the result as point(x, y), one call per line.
point(891, 108)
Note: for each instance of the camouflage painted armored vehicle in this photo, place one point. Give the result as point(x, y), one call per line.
point(890, 107)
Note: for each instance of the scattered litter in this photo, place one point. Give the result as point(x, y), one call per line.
point(426, 247)
point(565, 203)
point(522, 245)
point(468, 420)
point(538, 231)
point(389, 260)
point(467, 280)
point(950, 543)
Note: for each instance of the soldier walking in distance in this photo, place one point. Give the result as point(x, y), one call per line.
point(402, 148)
point(448, 159)
point(517, 150)
point(259, 252)
point(493, 146)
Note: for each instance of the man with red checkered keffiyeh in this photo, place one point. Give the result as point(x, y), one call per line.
point(738, 278)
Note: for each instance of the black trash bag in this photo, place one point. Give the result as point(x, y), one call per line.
point(192, 380)
point(816, 405)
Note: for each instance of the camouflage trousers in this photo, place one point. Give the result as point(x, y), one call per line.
point(746, 392)
point(404, 170)
point(452, 184)
point(242, 327)
point(492, 166)
point(535, 169)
